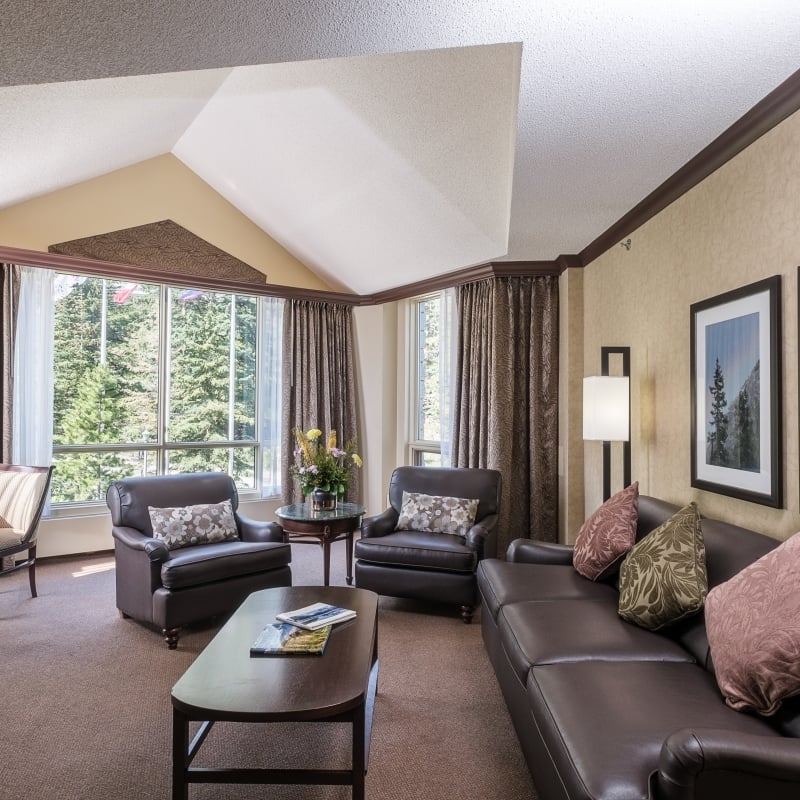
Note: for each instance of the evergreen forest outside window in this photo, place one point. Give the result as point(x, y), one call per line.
point(150, 379)
point(431, 365)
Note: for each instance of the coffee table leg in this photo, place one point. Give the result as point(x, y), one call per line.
point(359, 753)
point(180, 747)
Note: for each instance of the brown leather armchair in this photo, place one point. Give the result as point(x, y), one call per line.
point(172, 588)
point(430, 566)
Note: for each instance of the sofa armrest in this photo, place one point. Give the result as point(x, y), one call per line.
point(155, 549)
point(379, 525)
point(697, 763)
point(482, 537)
point(531, 551)
point(253, 530)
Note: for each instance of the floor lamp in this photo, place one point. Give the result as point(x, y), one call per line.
point(606, 413)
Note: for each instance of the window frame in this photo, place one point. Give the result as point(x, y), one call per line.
point(161, 446)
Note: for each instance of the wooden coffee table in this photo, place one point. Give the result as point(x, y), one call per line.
point(225, 683)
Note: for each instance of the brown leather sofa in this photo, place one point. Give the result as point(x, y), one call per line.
point(609, 711)
point(173, 588)
point(430, 566)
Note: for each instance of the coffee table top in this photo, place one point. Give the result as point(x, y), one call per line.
point(302, 512)
point(224, 682)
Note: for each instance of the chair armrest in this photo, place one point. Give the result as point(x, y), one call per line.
point(692, 758)
point(253, 530)
point(379, 525)
point(531, 551)
point(482, 537)
point(134, 539)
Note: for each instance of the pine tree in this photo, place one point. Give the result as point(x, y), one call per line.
point(748, 455)
point(718, 435)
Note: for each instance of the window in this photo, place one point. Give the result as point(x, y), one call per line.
point(152, 379)
point(432, 350)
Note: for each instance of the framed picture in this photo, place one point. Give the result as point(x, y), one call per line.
point(736, 393)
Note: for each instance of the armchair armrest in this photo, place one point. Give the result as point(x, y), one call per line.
point(482, 537)
point(379, 525)
point(155, 549)
point(531, 551)
point(252, 530)
point(697, 763)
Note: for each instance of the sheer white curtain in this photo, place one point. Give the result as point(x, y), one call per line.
point(448, 321)
point(272, 353)
point(33, 370)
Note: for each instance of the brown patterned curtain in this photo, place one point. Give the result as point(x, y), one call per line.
point(9, 304)
point(506, 403)
point(319, 382)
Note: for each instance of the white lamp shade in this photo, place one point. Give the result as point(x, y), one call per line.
point(606, 408)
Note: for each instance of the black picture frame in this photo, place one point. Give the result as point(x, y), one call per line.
point(736, 443)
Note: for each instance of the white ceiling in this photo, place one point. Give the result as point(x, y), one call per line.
point(385, 143)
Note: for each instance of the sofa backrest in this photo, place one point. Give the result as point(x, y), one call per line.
point(483, 484)
point(129, 498)
point(729, 549)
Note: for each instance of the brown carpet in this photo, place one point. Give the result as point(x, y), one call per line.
point(86, 710)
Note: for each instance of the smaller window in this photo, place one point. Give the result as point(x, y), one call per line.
point(430, 362)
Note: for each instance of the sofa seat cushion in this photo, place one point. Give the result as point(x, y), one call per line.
point(603, 723)
point(201, 564)
point(504, 582)
point(440, 551)
point(577, 630)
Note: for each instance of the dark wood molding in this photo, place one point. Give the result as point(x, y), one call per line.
point(143, 274)
point(761, 118)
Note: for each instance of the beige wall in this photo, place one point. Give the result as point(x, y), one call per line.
point(738, 226)
point(160, 188)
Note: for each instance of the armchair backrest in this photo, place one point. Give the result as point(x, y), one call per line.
point(483, 484)
point(129, 498)
point(23, 491)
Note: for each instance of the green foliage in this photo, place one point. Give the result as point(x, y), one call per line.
point(106, 382)
point(718, 435)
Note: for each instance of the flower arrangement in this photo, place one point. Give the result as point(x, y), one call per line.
point(323, 465)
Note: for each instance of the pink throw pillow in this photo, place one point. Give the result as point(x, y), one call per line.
point(753, 626)
point(605, 538)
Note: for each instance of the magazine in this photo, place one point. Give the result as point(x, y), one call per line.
point(283, 639)
point(316, 616)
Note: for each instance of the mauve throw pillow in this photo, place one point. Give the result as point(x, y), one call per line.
point(753, 626)
point(607, 535)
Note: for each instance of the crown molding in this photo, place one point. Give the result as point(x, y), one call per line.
point(760, 119)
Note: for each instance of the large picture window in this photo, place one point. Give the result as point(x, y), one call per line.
point(152, 379)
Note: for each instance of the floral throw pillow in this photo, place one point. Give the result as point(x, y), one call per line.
point(663, 577)
point(199, 524)
point(433, 514)
point(605, 538)
point(753, 625)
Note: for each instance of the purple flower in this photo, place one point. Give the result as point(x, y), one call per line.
point(337, 453)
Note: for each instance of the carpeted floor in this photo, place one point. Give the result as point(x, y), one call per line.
point(86, 711)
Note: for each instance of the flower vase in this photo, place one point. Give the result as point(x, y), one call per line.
point(323, 501)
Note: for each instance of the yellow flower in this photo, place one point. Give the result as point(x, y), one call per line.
point(331, 440)
point(357, 460)
point(314, 434)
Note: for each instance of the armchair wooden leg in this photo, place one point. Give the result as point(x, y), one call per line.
point(466, 614)
point(32, 571)
point(171, 637)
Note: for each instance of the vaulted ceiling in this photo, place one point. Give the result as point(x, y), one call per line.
point(387, 143)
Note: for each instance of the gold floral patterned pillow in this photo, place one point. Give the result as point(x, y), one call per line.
point(433, 514)
point(663, 577)
point(189, 525)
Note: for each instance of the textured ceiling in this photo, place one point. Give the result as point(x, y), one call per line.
point(383, 143)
